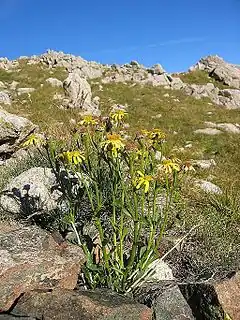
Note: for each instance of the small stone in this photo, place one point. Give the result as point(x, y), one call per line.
point(54, 82)
point(208, 187)
point(21, 91)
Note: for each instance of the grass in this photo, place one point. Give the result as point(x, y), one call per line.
point(180, 116)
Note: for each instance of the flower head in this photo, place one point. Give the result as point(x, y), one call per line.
point(88, 121)
point(187, 166)
point(118, 115)
point(113, 144)
point(169, 166)
point(33, 140)
point(72, 157)
point(157, 135)
point(143, 181)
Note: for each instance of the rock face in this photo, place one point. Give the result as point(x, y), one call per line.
point(79, 93)
point(5, 98)
point(72, 63)
point(219, 69)
point(87, 305)
point(13, 131)
point(31, 193)
point(171, 305)
point(8, 64)
point(32, 259)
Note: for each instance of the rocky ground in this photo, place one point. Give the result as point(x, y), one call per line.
point(199, 111)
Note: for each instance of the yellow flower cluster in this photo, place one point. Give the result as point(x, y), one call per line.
point(72, 157)
point(113, 144)
point(88, 121)
point(33, 140)
point(118, 115)
point(169, 165)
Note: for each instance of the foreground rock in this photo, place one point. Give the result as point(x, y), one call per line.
point(87, 305)
point(215, 300)
point(31, 193)
point(171, 305)
point(208, 186)
point(78, 90)
point(31, 259)
point(13, 131)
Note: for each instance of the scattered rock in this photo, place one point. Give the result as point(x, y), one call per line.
point(31, 193)
point(2, 85)
point(5, 98)
point(229, 98)
point(228, 127)
point(13, 131)
point(55, 82)
point(31, 259)
point(204, 164)
point(13, 85)
point(208, 187)
point(87, 305)
point(21, 91)
point(209, 131)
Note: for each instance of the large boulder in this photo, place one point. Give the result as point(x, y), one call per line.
point(87, 305)
point(32, 260)
point(32, 192)
point(13, 131)
point(221, 70)
point(229, 98)
point(79, 94)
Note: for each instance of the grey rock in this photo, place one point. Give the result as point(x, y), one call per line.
point(208, 131)
point(31, 193)
point(229, 98)
point(7, 64)
point(54, 82)
point(13, 85)
point(228, 127)
point(21, 91)
point(158, 69)
point(171, 305)
point(79, 93)
point(208, 186)
point(5, 98)
point(2, 85)
point(204, 164)
point(13, 131)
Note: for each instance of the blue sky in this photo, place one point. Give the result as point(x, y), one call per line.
point(175, 33)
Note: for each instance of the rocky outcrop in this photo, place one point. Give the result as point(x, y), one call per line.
point(87, 305)
point(86, 69)
point(8, 64)
point(30, 193)
point(79, 94)
point(31, 259)
point(13, 131)
point(220, 70)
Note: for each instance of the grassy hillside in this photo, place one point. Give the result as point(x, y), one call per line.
point(178, 115)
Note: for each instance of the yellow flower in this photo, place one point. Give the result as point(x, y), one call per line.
point(143, 181)
point(157, 134)
point(118, 115)
point(34, 140)
point(169, 165)
point(113, 143)
point(72, 157)
point(88, 121)
point(141, 154)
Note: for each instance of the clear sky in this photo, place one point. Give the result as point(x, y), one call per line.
point(175, 33)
